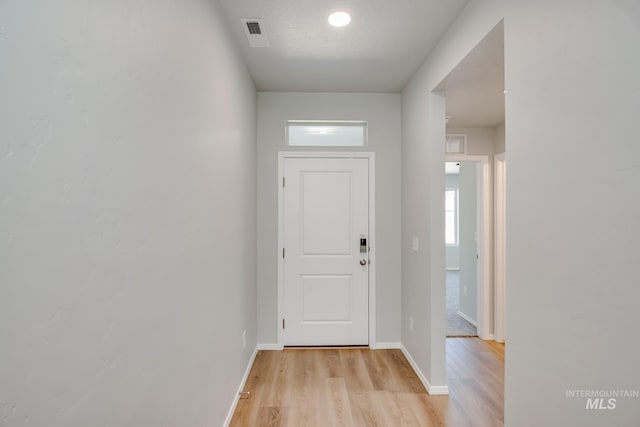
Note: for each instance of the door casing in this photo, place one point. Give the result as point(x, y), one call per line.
point(282, 155)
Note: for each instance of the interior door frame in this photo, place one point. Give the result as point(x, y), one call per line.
point(370, 156)
point(485, 242)
point(500, 243)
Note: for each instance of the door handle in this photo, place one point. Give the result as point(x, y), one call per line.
point(363, 262)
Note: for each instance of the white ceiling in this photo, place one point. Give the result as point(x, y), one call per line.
point(474, 90)
point(379, 51)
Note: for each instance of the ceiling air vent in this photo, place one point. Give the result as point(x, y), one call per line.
point(254, 27)
point(254, 30)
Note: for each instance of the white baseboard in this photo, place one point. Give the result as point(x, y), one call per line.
point(489, 337)
point(241, 388)
point(268, 347)
point(386, 346)
point(432, 390)
point(468, 319)
point(438, 390)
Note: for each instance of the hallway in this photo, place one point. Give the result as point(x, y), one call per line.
point(361, 387)
point(140, 258)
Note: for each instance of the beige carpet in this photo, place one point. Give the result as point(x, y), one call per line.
point(456, 325)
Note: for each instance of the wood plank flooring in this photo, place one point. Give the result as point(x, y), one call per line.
point(359, 387)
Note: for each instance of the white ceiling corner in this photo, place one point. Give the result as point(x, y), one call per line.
point(379, 51)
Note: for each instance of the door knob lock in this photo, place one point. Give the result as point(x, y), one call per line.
point(363, 262)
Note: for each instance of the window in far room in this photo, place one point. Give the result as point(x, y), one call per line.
point(451, 216)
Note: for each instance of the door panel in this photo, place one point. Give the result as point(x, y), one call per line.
point(325, 206)
point(327, 298)
point(326, 288)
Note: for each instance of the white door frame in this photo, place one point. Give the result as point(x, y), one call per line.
point(485, 242)
point(282, 155)
point(500, 245)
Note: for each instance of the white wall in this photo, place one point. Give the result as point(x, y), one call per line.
point(382, 112)
point(499, 143)
point(468, 196)
point(480, 141)
point(571, 103)
point(423, 272)
point(127, 223)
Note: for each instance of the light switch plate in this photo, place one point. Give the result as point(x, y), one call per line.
point(414, 244)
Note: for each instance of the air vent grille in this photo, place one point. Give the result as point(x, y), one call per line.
point(254, 28)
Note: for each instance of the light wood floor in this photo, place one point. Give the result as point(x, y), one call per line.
point(360, 387)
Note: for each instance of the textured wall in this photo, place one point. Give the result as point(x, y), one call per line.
point(127, 214)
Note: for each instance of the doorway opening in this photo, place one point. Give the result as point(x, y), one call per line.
point(474, 121)
point(462, 250)
point(470, 262)
point(475, 126)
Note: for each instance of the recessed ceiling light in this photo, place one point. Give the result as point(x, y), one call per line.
point(339, 19)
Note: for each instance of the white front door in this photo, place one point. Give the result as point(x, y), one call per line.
point(326, 284)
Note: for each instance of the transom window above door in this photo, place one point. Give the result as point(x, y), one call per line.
point(311, 133)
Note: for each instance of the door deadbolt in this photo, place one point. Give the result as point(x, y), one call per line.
point(363, 262)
